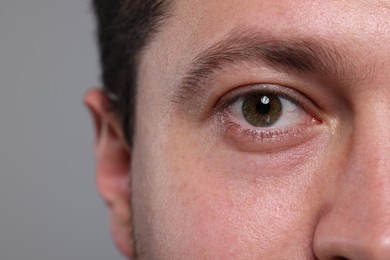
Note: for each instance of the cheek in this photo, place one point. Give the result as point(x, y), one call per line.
point(208, 202)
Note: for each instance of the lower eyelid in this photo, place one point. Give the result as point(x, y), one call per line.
point(253, 134)
point(230, 121)
point(267, 141)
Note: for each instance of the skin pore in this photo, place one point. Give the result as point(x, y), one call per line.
point(206, 184)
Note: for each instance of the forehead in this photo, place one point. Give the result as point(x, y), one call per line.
point(197, 24)
point(360, 27)
point(210, 15)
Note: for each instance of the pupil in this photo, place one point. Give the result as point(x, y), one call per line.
point(263, 106)
point(262, 110)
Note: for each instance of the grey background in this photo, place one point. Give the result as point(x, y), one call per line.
point(49, 207)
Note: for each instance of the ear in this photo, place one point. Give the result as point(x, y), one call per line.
point(113, 168)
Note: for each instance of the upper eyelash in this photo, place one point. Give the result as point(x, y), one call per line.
point(266, 89)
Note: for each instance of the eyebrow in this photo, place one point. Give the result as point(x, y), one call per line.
point(299, 55)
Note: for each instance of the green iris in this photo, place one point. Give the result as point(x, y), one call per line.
point(262, 110)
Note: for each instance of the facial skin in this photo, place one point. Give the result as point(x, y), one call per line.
point(205, 184)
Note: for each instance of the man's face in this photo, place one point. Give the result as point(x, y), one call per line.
point(262, 132)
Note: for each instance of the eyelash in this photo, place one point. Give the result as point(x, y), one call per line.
point(260, 134)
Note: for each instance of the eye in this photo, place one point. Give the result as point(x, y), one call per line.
point(266, 110)
point(278, 114)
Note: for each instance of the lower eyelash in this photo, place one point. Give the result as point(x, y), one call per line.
point(257, 134)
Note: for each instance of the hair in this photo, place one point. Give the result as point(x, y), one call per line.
point(124, 28)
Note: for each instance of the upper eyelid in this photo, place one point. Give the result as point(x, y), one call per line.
point(250, 45)
point(282, 91)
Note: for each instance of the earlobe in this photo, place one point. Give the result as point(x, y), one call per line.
point(113, 160)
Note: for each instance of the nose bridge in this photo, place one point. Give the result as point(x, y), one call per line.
point(365, 186)
point(357, 224)
point(362, 204)
point(370, 151)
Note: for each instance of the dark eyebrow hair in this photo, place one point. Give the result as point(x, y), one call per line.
point(288, 54)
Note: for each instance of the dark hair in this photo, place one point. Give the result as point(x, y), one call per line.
point(124, 28)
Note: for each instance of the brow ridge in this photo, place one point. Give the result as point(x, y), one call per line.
point(293, 54)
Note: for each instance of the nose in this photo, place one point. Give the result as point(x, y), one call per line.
point(355, 225)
